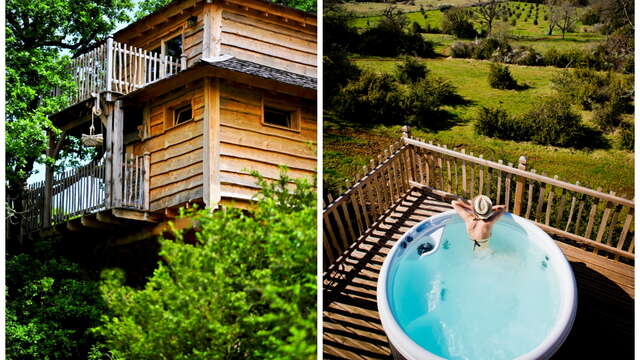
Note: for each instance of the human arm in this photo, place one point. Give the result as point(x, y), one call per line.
point(498, 211)
point(463, 209)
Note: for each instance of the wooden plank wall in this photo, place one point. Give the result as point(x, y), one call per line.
point(176, 151)
point(247, 144)
point(267, 41)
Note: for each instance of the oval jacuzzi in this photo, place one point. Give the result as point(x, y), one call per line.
point(438, 297)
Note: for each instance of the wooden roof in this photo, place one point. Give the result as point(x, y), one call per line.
point(351, 324)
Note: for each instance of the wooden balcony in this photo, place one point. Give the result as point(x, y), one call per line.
point(406, 187)
point(118, 68)
point(85, 190)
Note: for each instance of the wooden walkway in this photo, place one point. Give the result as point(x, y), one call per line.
point(352, 330)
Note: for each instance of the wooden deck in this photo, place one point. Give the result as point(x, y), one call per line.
point(603, 327)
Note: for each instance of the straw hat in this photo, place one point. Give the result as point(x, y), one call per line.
point(482, 206)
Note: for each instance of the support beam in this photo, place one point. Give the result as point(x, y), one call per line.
point(135, 215)
point(106, 217)
point(154, 230)
point(108, 152)
point(211, 131)
point(91, 221)
point(212, 16)
point(118, 152)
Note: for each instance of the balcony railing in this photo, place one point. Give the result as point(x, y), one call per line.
point(83, 190)
point(118, 67)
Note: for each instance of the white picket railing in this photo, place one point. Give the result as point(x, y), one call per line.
point(121, 68)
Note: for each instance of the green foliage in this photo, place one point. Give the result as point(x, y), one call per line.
point(495, 122)
point(425, 100)
point(245, 290)
point(411, 70)
point(372, 99)
point(549, 122)
point(338, 71)
point(391, 41)
point(553, 122)
point(457, 21)
point(500, 77)
point(39, 37)
point(50, 309)
point(625, 136)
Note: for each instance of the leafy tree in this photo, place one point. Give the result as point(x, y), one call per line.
point(410, 70)
point(488, 11)
point(457, 21)
point(50, 309)
point(245, 290)
point(566, 15)
point(40, 36)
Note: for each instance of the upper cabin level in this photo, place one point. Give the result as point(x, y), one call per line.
point(186, 32)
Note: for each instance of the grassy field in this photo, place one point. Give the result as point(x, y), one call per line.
point(525, 31)
point(376, 8)
point(347, 149)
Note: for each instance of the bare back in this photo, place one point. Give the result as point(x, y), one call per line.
point(478, 229)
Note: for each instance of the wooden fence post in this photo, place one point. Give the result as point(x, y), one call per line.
point(183, 62)
point(519, 186)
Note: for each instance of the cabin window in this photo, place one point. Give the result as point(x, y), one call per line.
point(280, 114)
point(273, 116)
point(182, 114)
point(173, 47)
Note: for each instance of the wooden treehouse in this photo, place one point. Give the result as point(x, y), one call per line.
point(414, 180)
point(188, 100)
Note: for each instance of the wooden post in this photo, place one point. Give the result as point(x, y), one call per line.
point(183, 62)
point(517, 207)
point(108, 164)
point(211, 159)
point(48, 184)
point(405, 132)
point(212, 29)
point(147, 175)
point(109, 75)
point(118, 152)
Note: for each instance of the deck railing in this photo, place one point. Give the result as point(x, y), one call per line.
point(591, 219)
point(83, 190)
point(121, 68)
point(133, 182)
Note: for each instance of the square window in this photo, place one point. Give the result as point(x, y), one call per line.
point(182, 114)
point(277, 117)
point(173, 47)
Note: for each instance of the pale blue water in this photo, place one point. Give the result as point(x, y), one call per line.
point(463, 304)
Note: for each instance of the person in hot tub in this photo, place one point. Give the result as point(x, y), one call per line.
point(479, 216)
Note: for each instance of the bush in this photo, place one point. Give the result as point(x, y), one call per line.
point(457, 21)
point(391, 42)
point(416, 28)
point(338, 70)
point(625, 136)
point(590, 16)
point(500, 77)
point(461, 49)
point(498, 124)
point(245, 290)
point(566, 58)
point(535, 21)
point(525, 55)
point(549, 122)
point(554, 123)
point(607, 116)
point(410, 70)
point(425, 100)
point(488, 47)
point(372, 99)
point(50, 308)
point(513, 22)
point(589, 88)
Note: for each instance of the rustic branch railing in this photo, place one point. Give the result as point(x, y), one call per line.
point(82, 191)
point(118, 67)
point(77, 191)
point(349, 217)
point(592, 219)
point(133, 182)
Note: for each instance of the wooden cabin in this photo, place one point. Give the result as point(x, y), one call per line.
point(189, 100)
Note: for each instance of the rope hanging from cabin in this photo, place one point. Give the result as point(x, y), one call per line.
point(93, 139)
